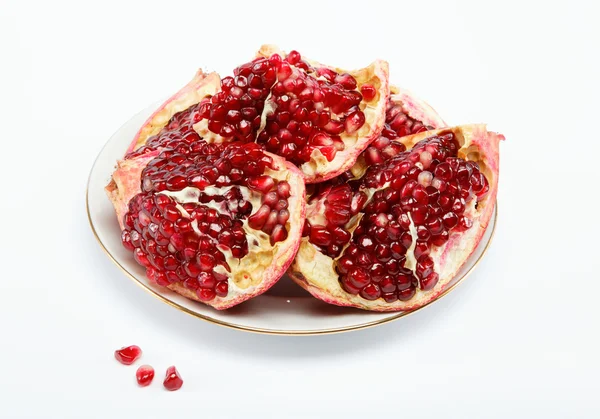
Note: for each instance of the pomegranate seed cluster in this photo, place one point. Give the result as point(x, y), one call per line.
point(178, 132)
point(313, 108)
point(191, 213)
point(235, 111)
point(424, 193)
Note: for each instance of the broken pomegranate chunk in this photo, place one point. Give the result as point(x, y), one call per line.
point(210, 219)
point(392, 239)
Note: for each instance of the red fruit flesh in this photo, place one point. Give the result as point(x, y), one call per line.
point(173, 380)
point(128, 355)
point(390, 240)
point(144, 375)
point(213, 222)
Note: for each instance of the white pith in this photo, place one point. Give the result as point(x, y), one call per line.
point(411, 260)
point(316, 272)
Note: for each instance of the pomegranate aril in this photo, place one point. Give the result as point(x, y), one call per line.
point(222, 289)
point(370, 292)
point(387, 285)
point(173, 380)
point(406, 294)
point(354, 122)
point(320, 236)
point(368, 91)
point(128, 355)
point(429, 282)
point(464, 223)
point(205, 294)
point(144, 375)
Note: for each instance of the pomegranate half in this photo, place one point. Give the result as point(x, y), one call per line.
point(393, 239)
point(216, 223)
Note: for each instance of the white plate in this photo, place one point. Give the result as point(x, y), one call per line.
point(285, 309)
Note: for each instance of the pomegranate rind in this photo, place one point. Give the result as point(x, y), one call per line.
point(265, 267)
point(319, 169)
point(315, 272)
point(201, 86)
point(125, 182)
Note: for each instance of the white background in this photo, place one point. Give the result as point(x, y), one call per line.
point(518, 339)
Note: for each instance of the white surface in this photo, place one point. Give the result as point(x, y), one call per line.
point(286, 308)
point(518, 339)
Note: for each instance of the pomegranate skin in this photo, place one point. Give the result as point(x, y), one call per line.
point(315, 272)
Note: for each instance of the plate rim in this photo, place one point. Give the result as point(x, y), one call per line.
point(259, 330)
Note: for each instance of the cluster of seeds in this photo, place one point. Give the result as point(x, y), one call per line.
point(313, 108)
point(424, 193)
point(191, 213)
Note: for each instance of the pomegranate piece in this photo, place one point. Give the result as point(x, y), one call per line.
point(317, 116)
point(393, 239)
point(144, 375)
point(217, 223)
point(127, 355)
point(173, 380)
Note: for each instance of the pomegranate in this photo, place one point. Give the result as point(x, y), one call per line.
point(319, 118)
point(144, 375)
point(173, 380)
point(217, 223)
point(393, 239)
point(128, 355)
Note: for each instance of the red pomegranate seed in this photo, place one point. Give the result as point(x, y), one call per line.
point(429, 282)
point(370, 292)
point(128, 355)
point(368, 92)
point(173, 380)
point(358, 278)
point(354, 121)
point(406, 294)
point(320, 236)
point(144, 375)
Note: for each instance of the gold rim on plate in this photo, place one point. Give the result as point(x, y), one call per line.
point(275, 331)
